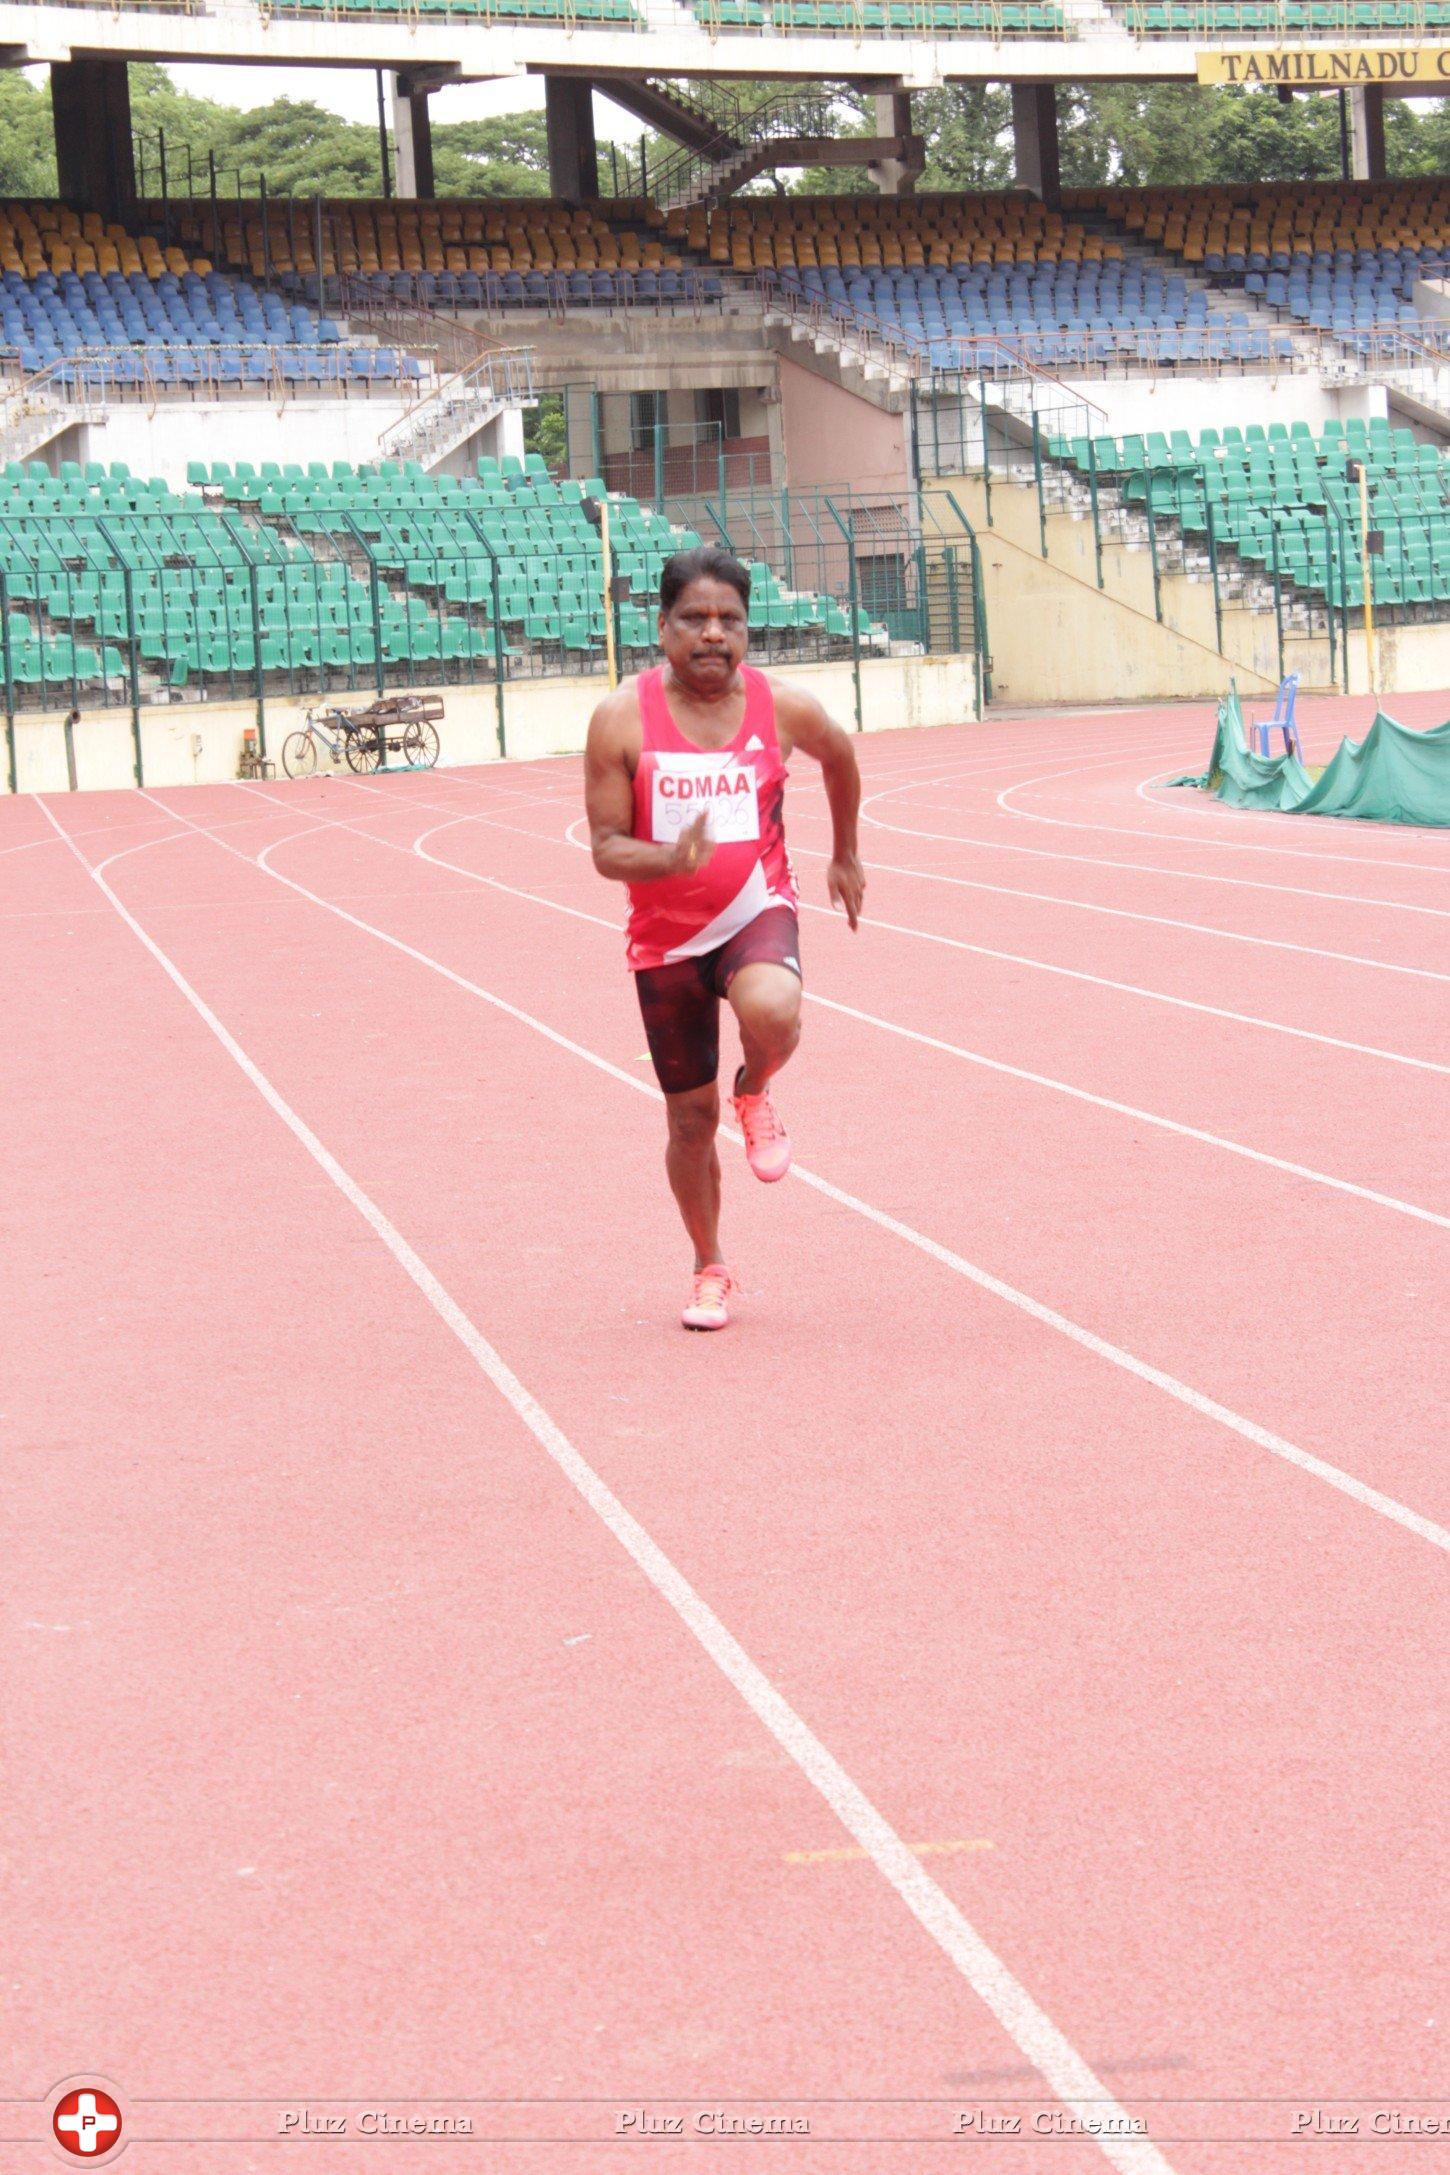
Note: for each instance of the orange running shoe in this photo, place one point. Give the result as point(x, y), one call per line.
point(707, 1308)
point(767, 1144)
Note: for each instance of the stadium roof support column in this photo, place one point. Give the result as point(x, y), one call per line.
point(893, 177)
point(1034, 136)
point(1367, 132)
point(412, 138)
point(569, 126)
point(94, 161)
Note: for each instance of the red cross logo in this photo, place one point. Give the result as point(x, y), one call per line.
point(87, 2122)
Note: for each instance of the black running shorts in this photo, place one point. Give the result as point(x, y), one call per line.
point(681, 1001)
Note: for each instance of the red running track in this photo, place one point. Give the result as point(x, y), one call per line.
point(1004, 1673)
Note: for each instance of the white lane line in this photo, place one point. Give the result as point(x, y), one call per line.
point(1131, 989)
point(1120, 913)
point(1319, 1468)
point(1179, 838)
point(1140, 868)
point(1216, 812)
point(1127, 1110)
point(998, 1065)
point(1161, 921)
point(1032, 2031)
point(96, 830)
point(987, 951)
point(926, 936)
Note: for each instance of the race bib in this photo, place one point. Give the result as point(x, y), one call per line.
point(684, 785)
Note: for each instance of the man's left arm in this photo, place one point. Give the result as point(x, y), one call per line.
point(808, 728)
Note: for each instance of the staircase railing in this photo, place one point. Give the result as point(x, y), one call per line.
point(461, 405)
point(410, 322)
point(741, 127)
point(856, 336)
point(34, 406)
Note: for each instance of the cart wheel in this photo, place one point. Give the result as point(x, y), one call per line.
point(299, 755)
point(363, 748)
point(420, 744)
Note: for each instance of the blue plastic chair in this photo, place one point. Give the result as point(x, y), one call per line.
point(1282, 721)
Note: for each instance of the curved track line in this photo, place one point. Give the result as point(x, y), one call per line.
point(1162, 921)
point(1227, 816)
point(1139, 868)
point(1207, 1407)
point(1153, 996)
point(1032, 2031)
point(989, 1064)
point(1205, 810)
point(1013, 959)
point(1178, 838)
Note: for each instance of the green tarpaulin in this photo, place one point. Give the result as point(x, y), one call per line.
point(1391, 776)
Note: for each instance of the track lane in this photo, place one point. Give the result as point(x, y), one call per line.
point(1002, 1454)
point(461, 1706)
point(1133, 1189)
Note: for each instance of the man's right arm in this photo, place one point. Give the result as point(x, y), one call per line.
point(609, 806)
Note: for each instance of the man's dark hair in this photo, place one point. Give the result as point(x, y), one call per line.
point(706, 563)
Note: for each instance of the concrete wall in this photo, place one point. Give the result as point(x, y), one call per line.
point(1172, 402)
point(1055, 637)
point(200, 743)
point(833, 436)
point(160, 441)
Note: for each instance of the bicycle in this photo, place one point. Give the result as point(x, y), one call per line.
point(359, 741)
point(355, 744)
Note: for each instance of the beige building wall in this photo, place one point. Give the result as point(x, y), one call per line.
point(833, 437)
point(1055, 637)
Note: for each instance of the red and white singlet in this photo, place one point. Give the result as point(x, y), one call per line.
point(742, 786)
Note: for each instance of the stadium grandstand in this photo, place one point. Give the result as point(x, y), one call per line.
point(264, 448)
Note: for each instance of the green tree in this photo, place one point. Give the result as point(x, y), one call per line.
point(545, 430)
point(27, 142)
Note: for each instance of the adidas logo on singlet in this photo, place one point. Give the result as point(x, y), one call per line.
point(754, 745)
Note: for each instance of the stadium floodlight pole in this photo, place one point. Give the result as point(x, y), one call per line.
point(317, 252)
point(216, 232)
point(165, 193)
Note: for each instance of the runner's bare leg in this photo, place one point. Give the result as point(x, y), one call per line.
point(693, 1164)
point(766, 1000)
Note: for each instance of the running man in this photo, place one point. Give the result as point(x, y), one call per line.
point(684, 785)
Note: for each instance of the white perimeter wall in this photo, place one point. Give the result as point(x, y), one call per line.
point(1195, 404)
point(160, 441)
point(200, 743)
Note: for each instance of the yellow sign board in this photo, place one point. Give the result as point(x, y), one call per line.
point(1330, 68)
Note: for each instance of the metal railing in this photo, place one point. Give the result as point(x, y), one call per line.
point(1271, 20)
point(857, 337)
point(412, 323)
point(396, 300)
point(908, 567)
point(463, 404)
point(263, 589)
point(35, 406)
point(743, 127)
point(99, 376)
point(859, 20)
